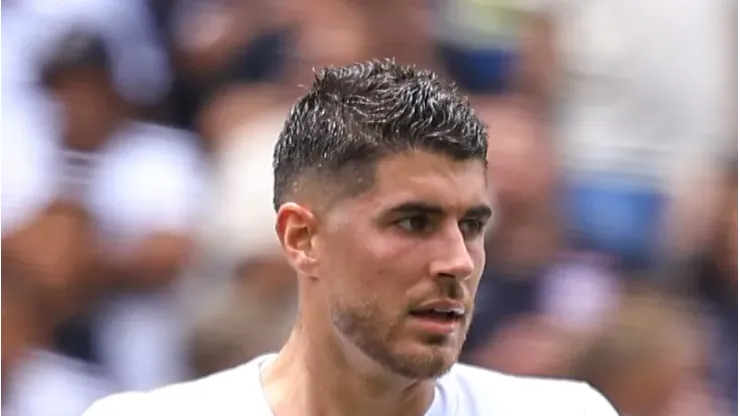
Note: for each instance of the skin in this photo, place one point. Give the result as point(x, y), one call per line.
point(415, 236)
point(26, 322)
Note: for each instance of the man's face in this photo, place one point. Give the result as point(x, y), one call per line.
point(88, 103)
point(411, 244)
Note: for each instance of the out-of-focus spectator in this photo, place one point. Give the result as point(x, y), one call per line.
point(36, 380)
point(49, 237)
point(46, 244)
point(648, 357)
point(140, 71)
point(139, 186)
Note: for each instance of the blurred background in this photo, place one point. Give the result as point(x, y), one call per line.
point(137, 136)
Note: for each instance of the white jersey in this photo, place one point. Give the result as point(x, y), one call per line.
point(463, 391)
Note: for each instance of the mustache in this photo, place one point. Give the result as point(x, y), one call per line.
point(445, 289)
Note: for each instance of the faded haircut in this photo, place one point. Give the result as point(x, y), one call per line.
point(353, 116)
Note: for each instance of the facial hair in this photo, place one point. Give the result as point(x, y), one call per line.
point(369, 328)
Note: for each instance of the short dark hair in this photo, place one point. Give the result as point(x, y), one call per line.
point(77, 50)
point(354, 115)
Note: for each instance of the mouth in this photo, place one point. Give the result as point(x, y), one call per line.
point(441, 318)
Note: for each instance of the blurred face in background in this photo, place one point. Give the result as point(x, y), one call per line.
point(387, 256)
point(89, 106)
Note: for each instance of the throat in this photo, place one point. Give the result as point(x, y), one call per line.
point(300, 382)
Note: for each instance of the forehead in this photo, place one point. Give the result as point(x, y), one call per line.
point(425, 177)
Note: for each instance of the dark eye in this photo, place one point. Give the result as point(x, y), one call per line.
point(471, 228)
point(416, 224)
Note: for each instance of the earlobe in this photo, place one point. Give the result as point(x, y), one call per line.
point(295, 227)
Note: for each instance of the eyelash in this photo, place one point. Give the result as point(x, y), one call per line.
point(478, 226)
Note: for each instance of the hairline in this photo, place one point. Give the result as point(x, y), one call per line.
point(362, 177)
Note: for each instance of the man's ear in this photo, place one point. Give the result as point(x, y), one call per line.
point(296, 227)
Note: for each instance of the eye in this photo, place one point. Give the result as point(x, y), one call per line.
point(417, 224)
point(472, 228)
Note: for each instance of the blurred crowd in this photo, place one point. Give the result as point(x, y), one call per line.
point(137, 223)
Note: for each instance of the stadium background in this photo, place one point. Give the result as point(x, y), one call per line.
point(137, 137)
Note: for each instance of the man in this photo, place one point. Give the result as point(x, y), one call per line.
point(101, 208)
point(381, 198)
point(142, 185)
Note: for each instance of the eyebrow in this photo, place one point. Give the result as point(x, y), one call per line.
point(481, 211)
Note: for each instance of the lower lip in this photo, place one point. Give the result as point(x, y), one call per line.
point(436, 326)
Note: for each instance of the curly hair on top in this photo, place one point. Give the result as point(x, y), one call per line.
point(352, 116)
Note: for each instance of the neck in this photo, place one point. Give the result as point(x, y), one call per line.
point(315, 374)
point(92, 138)
point(625, 400)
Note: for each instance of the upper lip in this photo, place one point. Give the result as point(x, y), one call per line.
point(447, 305)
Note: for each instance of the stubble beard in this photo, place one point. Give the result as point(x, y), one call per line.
point(364, 326)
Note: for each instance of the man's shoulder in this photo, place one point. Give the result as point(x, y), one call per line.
point(224, 390)
point(481, 391)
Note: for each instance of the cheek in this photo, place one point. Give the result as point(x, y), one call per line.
point(373, 261)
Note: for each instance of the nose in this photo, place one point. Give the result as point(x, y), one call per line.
point(452, 258)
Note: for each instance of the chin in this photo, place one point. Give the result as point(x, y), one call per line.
point(425, 361)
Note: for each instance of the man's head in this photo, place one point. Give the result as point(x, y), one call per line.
point(381, 193)
point(78, 73)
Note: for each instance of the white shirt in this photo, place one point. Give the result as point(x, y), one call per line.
point(147, 178)
point(151, 179)
point(464, 391)
point(51, 384)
